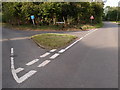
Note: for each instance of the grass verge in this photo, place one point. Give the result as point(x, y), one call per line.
point(88, 26)
point(54, 27)
point(32, 27)
point(53, 40)
point(117, 22)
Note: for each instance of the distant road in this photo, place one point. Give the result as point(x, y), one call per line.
point(91, 63)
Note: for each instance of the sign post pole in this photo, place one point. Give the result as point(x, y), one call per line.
point(91, 18)
point(91, 21)
point(33, 17)
point(33, 21)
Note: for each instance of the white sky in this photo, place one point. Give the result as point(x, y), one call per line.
point(112, 3)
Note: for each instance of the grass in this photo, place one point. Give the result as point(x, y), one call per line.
point(55, 27)
point(116, 22)
point(99, 25)
point(88, 26)
point(53, 40)
point(32, 27)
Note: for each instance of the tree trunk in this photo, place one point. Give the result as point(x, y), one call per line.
point(64, 19)
point(54, 21)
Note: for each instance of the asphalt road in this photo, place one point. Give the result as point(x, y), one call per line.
point(90, 63)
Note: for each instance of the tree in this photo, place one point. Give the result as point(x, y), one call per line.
point(47, 13)
point(113, 13)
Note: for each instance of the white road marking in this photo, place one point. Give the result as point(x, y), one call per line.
point(12, 51)
point(44, 63)
point(73, 43)
point(78, 40)
point(62, 50)
point(12, 63)
point(44, 55)
point(23, 78)
point(54, 56)
point(32, 62)
point(19, 70)
point(53, 50)
point(32, 72)
point(15, 71)
point(26, 76)
point(1, 40)
point(89, 33)
point(15, 76)
point(20, 38)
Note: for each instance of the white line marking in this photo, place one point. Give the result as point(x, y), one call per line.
point(44, 55)
point(53, 50)
point(15, 76)
point(20, 38)
point(62, 50)
point(32, 62)
point(73, 44)
point(1, 40)
point(79, 40)
point(15, 71)
point(54, 56)
point(12, 63)
point(23, 78)
point(26, 76)
point(32, 72)
point(44, 63)
point(12, 51)
point(19, 70)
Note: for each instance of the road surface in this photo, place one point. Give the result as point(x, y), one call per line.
point(90, 63)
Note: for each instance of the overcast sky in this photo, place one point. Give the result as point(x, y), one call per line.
point(112, 3)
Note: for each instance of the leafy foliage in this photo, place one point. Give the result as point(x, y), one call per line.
point(112, 14)
point(47, 13)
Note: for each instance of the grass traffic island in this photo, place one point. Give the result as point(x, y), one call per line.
point(53, 40)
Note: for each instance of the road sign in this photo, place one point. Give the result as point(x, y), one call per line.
point(91, 17)
point(32, 17)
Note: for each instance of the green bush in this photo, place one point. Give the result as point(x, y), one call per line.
point(47, 13)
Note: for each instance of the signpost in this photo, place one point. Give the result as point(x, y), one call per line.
point(92, 17)
point(33, 17)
